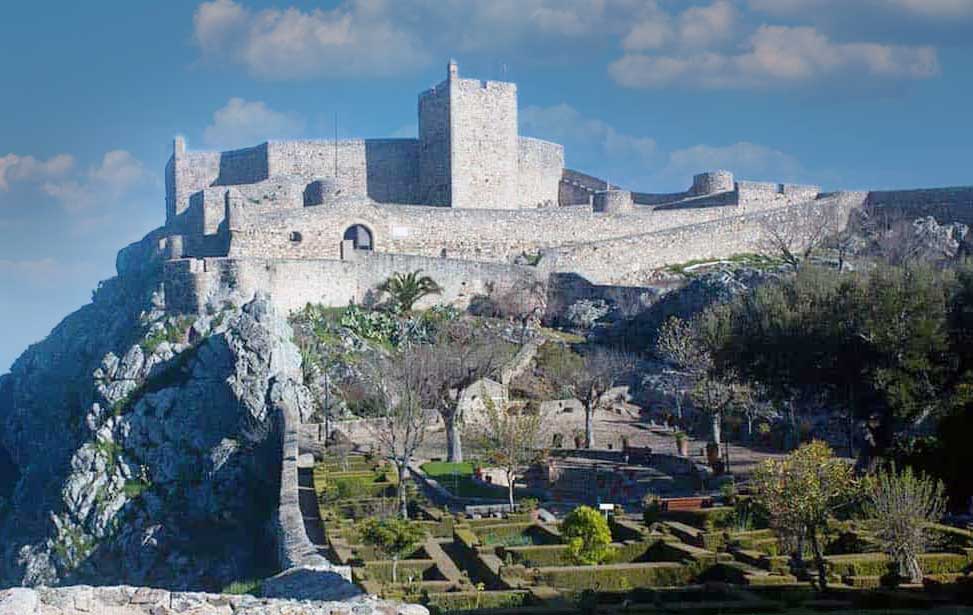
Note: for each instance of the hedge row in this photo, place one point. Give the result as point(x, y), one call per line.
point(381, 570)
point(877, 564)
point(465, 601)
point(617, 576)
point(706, 519)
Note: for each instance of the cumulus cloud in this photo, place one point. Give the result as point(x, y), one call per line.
point(746, 160)
point(118, 173)
point(778, 55)
point(14, 168)
point(565, 124)
point(242, 123)
point(357, 37)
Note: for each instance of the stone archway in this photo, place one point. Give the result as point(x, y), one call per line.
point(360, 237)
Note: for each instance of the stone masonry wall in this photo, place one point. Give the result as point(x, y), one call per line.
point(944, 204)
point(627, 260)
point(191, 284)
point(540, 166)
point(484, 147)
point(472, 234)
point(385, 170)
point(434, 135)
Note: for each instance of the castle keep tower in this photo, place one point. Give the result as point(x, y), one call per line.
point(468, 144)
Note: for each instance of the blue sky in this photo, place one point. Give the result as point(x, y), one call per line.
point(847, 94)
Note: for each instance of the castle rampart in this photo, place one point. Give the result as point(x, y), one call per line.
point(327, 221)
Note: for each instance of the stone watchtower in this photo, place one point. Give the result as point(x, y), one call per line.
point(468, 143)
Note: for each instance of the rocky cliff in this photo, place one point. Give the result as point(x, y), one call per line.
point(142, 448)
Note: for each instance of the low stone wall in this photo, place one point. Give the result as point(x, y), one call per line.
point(306, 573)
point(126, 600)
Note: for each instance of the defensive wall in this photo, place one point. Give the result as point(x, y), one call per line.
point(193, 284)
point(471, 234)
point(468, 155)
point(945, 204)
point(626, 260)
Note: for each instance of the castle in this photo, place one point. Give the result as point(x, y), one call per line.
point(470, 202)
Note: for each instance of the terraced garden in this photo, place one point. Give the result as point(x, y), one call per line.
point(711, 560)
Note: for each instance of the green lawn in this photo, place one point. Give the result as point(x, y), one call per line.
point(457, 478)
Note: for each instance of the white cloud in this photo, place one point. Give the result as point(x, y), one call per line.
point(118, 173)
point(778, 55)
point(14, 168)
point(746, 160)
point(564, 124)
point(358, 37)
point(242, 123)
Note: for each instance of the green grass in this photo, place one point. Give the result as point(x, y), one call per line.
point(248, 586)
point(757, 261)
point(457, 478)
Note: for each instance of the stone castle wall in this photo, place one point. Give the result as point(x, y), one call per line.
point(434, 139)
point(484, 147)
point(191, 284)
point(626, 260)
point(945, 204)
point(475, 234)
point(540, 166)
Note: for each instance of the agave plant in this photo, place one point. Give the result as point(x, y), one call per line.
point(405, 289)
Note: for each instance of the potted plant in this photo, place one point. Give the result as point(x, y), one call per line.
point(682, 444)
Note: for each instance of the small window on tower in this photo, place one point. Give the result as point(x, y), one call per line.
point(296, 237)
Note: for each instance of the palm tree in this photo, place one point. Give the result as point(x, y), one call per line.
point(407, 288)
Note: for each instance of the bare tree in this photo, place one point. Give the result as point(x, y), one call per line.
point(799, 233)
point(590, 379)
point(679, 346)
point(526, 301)
point(462, 355)
point(397, 384)
point(508, 437)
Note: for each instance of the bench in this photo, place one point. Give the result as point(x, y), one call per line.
point(672, 504)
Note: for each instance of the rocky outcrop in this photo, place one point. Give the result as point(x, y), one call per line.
point(123, 600)
point(146, 448)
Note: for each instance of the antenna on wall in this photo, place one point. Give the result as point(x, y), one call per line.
point(336, 149)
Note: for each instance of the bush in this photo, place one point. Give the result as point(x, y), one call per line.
point(466, 600)
point(617, 577)
point(589, 538)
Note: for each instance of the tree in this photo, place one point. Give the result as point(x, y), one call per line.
point(900, 506)
point(800, 493)
point(394, 538)
point(507, 437)
point(718, 396)
point(405, 289)
point(801, 231)
point(400, 428)
point(462, 355)
point(590, 379)
point(588, 535)
point(526, 301)
point(680, 346)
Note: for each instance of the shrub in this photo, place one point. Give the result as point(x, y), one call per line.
point(900, 506)
point(589, 538)
point(617, 576)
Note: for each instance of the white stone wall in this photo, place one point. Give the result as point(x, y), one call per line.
point(484, 147)
point(473, 234)
point(626, 260)
point(191, 284)
point(434, 143)
point(540, 166)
